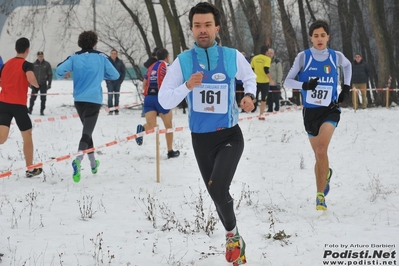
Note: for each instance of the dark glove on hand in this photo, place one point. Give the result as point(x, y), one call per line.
point(311, 85)
point(344, 93)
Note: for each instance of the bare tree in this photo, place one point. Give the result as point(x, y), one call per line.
point(238, 35)
point(154, 25)
point(266, 20)
point(173, 27)
point(288, 31)
point(311, 13)
point(176, 17)
point(254, 21)
point(363, 43)
point(290, 40)
point(136, 21)
point(224, 29)
point(395, 38)
point(386, 64)
point(304, 28)
point(346, 23)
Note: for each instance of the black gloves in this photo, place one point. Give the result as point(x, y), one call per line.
point(311, 85)
point(344, 93)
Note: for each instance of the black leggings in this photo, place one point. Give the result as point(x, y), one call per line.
point(218, 154)
point(88, 114)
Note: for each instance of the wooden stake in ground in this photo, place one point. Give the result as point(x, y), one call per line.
point(157, 155)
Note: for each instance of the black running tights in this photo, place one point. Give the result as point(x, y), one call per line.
point(218, 154)
point(88, 114)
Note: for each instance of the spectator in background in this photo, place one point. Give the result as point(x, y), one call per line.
point(276, 72)
point(360, 78)
point(114, 86)
point(44, 76)
point(15, 77)
point(261, 65)
point(90, 68)
point(151, 85)
point(1, 62)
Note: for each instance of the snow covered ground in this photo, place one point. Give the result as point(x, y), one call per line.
point(122, 216)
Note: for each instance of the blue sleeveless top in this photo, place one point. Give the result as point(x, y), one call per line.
point(212, 105)
point(327, 72)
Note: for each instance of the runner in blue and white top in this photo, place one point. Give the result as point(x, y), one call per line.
point(205, 76)
point(89, 68)
point(317, 72)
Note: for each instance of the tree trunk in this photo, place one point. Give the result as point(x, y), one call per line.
point(395, 44)
point(290, 40)
point(154, 25)
point(384, 49)
point(346, 23)
point(311, 13)
point(364, 43)
point(249, 8)
point(177, 21)
point(237, 32)
point(304, 28)
point(173, 27)
point(224, 28)
point(139, 26)
point(266, 21)
point(288, 31)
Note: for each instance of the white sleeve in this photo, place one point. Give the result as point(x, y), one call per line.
point(173, 89)
point(290, 81)
point(246, 74)
point(346, 67)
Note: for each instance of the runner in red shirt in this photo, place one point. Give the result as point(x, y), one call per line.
point(15, 77)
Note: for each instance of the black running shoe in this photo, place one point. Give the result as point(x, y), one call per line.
point(173, 154)
point(34, 172)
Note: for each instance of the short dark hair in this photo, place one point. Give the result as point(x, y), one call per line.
point(204, 8)
point(263, 49)
point(87, 39)
point(319, 24)
point(162, 53)
point(21, 45)
point(154, 52)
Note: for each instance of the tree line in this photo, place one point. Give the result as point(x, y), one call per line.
point(368, 27)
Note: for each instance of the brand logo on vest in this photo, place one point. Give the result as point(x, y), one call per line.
point(327, 69)
point(313, 68)
point(218, 77)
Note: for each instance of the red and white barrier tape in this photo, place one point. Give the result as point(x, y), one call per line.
point(119, 141)
point(75, 115)
point(70, 93)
